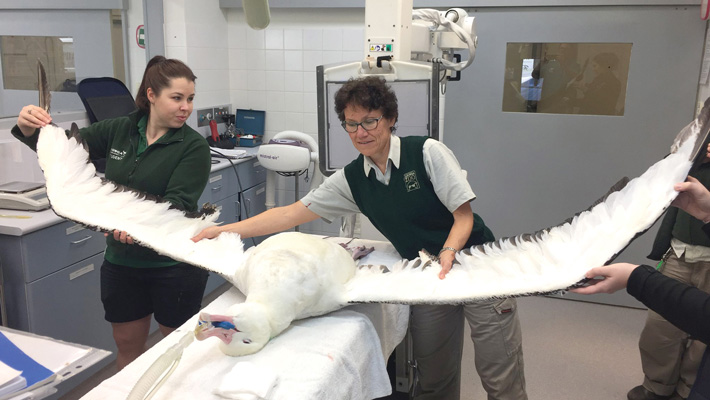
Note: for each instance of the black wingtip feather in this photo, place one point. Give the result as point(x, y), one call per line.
point(45, 95)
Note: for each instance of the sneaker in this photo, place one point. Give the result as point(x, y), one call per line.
point(641, 393)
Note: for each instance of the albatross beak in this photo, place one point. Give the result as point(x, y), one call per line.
point(221, 326)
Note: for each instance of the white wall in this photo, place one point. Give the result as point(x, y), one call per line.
point(274, 70)
point(271, 70)
point(136, 54)
point(196, 33)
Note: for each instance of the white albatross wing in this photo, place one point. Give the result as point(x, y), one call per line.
point(78, 194)
point(288, 277)
point(551, 260)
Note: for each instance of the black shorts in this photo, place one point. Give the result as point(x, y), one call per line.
point(173, 294)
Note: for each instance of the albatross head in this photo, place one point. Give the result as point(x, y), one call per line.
point(244, 330)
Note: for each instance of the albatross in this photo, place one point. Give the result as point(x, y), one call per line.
point(292, 275)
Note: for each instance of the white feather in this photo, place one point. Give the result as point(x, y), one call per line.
point(76, 193)
point(558, 260)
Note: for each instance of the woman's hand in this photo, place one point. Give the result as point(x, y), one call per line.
point(446, 260)
point(613, 277)
point(694, 198)
point(121, 236)
point(31, 118)
point(208, 233)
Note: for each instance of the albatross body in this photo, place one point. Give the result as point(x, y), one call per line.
point(288, 276)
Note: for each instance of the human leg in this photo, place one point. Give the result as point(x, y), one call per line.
point(437, 343)
point(661, 343)
point(130, 339)
point(127, 308)
point(176, 294)
point(497, 342)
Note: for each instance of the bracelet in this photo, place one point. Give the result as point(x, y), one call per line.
point(443, 249)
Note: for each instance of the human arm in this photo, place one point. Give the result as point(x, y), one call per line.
point(453, 190)
point(189, 176)
point(458, 235)
point(328, 201)
point(32, 118)
point(270, 221)
point(694, 198)
point(613, 277)
point(684, 306)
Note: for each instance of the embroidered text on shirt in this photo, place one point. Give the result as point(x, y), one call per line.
point(410, 180)
point(117, 154)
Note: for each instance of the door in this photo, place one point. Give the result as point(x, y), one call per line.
point(533, 170)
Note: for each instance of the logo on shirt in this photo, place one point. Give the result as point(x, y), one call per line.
point(117, 154)
point(410, 181)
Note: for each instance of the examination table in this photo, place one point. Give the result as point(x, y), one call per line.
point(340, 355)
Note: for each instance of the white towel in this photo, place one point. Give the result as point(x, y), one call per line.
point(247, 381)
point(334, 356)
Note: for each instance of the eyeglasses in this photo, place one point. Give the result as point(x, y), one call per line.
point(368, 124)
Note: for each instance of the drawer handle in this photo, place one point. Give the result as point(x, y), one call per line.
point(81, 240)
point(214, 189)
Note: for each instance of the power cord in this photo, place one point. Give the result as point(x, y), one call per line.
point(234, 167)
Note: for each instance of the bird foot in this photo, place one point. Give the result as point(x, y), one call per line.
point(359, 251)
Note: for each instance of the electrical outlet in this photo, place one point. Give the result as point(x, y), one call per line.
point(219, 112)
point(204, 116)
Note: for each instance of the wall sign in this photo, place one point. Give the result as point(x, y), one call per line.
point(140, 36)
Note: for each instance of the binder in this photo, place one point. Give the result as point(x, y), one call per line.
point(34, 373)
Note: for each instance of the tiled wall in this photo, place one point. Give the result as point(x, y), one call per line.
point(196, 33)
point(274, 70)
point(271, 69)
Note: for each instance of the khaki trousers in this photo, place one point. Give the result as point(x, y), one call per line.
point(669, 357)
point(437, 342)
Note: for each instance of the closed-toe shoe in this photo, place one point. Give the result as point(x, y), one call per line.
point(641, 393)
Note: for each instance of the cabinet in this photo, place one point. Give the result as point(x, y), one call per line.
point(51, 287)
point(51, 270)
point(238, 192)
point(65, 249)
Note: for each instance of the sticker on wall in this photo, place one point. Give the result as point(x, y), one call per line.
point(140, 36)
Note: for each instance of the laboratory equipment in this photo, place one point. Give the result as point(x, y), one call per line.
point(26, 196)
point(230, 130)
point(257, 13)
point(289, 153)
point(414, 50)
